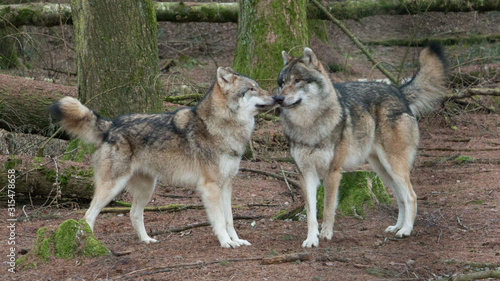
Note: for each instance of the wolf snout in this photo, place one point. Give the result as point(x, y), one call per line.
point(279, 99)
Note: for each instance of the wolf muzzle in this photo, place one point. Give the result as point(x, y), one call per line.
point(279, 99)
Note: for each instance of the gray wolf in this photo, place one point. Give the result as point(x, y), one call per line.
point(335, 126)
point(198, 146)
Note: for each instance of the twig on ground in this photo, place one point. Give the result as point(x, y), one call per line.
point(155, 270)
point(287, 258)
point(199, 224)
point(477, 275)
point(461, 224)
point(265, 261)
point(468, 93)
point(166, 208)
point(273, 175)
point(294, 198)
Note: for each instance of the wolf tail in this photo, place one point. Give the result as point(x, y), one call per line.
point(427, 85)
point(79, 120)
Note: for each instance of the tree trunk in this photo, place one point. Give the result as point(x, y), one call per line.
point(117, 56)
point(8, 53)
point(266, 28)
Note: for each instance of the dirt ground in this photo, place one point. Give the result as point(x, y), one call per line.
point(456, 177)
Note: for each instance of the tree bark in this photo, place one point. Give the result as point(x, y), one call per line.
point(51, 14)
point(265, 29)
point(117, 56)
point(8, 53)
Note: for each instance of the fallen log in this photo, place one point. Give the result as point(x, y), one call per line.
point(48, 14)
point(24, 102)
point(421, 42)
point(46, 178)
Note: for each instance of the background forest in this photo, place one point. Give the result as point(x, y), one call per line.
point(153, 56)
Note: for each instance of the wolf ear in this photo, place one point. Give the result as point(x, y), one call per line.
point(224, 76)
point(286, 57)
point(309, 58)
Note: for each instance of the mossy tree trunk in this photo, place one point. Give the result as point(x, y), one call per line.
point(8, 52)
point(265, 28)
point(117, 56)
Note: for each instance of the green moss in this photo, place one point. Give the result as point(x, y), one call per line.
point(12, 163)
point(77, 150)
point(40, 253)
point(71, 239)
point(42, 245)
point(359, 189)
point(65, 239)
point(464, 159)
point(74, 238)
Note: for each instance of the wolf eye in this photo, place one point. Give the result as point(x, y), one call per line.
point(297, 80)
point(252, 89)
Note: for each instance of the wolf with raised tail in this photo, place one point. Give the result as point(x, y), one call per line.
point(199, 146)
point(337, 126)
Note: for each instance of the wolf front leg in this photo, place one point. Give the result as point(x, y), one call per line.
point(228, 213)
point(212, 199)
point(331, 184)
point(309, 184)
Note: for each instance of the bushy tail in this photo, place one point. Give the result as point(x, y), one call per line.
point(427, 85)
point(79, 120)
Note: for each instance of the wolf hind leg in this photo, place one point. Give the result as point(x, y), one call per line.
point(228, 213)
point(397, 175)
point(331, 184)
point(105, 190)
point(141, 187)
point(309, 184)
point(378, 167)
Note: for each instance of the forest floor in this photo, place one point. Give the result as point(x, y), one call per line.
point(456, 177)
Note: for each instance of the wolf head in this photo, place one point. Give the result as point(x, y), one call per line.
point(240, 94)
point(301, 80)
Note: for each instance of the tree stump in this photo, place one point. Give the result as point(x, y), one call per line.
point(72, 239)
point(358, 190)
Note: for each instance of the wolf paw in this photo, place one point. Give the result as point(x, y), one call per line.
point(310, 242)
point(326, 234)
point(229, 244)
point(392, 229)
point(403, 232)
point(149, 240)
point(242, 242)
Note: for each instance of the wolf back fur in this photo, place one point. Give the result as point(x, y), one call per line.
point(335, 126)
point(198, 146)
